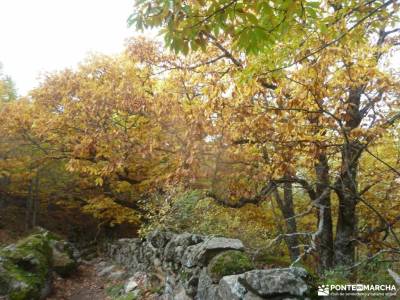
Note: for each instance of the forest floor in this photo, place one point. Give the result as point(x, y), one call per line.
point(85, 284)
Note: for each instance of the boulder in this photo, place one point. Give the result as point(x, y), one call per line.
point(26, 267)
point(273, 282)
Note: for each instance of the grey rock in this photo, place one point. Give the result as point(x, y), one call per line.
point(100, 265)
point(64, 262)
point(200, 254)
point(91, 256)
point(251, 296)
point(180, 293)
point(130, 285)
point(229, 287)
point(116, 275)
point(142, 279)
point(267, 283)
point(189, 277)
point(156, 262)
point(177, 245)
point(170, 283)
point(106, 271)
point(125, 252)
point(76, 254)
point(159, 238)
point(26, 267)
point(16, 285)
point(206, 288)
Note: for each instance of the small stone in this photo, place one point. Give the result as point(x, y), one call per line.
point(130, 285)
point(106, 270)
point(101, 265)
point(91, 256)
point(157, 262)
point(116, 275)
point(76, 254)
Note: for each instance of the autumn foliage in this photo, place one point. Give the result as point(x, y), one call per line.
point(285, 137)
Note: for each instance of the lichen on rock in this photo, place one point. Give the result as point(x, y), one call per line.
point(26, 267)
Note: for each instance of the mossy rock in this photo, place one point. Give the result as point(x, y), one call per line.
point(229, 263)
point(26, 267)
point(63, 264)
point(63, 261)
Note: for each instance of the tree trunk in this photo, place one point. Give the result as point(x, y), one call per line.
point(35, 200)
point(287, 209)
point(346, 185)
point(29, 206)
point(324, 241)
point(346, 189)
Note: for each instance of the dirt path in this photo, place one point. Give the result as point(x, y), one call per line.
point(84, 285)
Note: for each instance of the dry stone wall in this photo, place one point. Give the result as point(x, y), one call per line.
point(190, 266)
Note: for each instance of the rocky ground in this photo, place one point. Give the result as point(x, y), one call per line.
point(100, 279)
point(84, 284)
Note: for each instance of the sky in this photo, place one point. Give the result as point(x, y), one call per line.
point(47, 35)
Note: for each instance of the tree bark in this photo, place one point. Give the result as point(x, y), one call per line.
point(324, 241)
point(346, 190)
point(36, 201)
point(346, 185)
point(29, 207)
point(287, 209)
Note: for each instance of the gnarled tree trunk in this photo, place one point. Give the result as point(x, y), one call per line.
point(346, 185)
